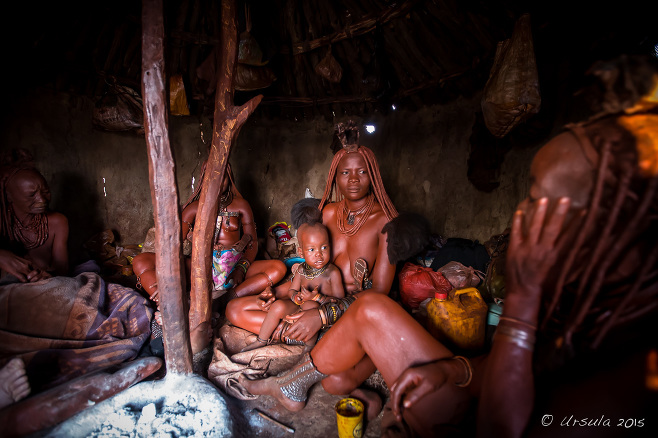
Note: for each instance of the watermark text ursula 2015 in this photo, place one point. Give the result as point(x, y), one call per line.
point(603, 421)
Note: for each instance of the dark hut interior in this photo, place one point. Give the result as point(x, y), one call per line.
point(412, 71)
point(429, 58)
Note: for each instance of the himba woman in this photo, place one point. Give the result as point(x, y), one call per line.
point(357, 221)
point(235, 247)
point(33, 245)
point(33, 240)
point(582, 291)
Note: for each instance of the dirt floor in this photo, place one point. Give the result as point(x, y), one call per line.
point(317, 419)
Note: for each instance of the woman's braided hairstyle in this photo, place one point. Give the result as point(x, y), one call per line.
point(348, 134)
point(622, 217)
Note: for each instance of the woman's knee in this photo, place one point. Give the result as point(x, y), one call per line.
point(143, 262)
point(233, 310)
point(373, 306)
point(276, 270)
point(339, 384)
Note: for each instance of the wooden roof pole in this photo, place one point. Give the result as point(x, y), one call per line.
point(228, 120)
point(168, 267)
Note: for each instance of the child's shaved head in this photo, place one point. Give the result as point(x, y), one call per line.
point(315, 227)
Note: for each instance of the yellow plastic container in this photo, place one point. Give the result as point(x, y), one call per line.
point(458, 318)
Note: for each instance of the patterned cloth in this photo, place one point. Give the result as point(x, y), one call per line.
point(223, 263)
point(64, 327)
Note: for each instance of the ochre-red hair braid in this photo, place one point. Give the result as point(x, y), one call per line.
point(375, 182)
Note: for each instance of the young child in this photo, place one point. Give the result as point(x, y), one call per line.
point(312, 281)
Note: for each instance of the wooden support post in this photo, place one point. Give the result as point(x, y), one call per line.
point(169, 266)
point(226, 125)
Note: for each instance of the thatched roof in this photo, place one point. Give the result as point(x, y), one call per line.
point(407, 53)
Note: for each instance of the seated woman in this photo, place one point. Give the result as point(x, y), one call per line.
point(61, 327)
point(235, 247)
point(33, 240)
point(581, 289)
point(356, 222)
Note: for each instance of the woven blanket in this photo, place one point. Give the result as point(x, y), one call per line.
point(64, 327)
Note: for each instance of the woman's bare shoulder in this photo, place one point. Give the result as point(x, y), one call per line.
point(56, 219)
point(377, 217)
point(330, 208)
point(240, 204)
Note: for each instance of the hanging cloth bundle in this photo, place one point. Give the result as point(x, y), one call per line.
point(251, 73)
point(329, 68)
point(511, 94)
point(120, 109)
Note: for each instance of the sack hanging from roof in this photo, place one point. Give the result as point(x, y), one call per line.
point(329, 68)
point(120, 109)
point(511, 94)
point(248, 78)
point(249, 52)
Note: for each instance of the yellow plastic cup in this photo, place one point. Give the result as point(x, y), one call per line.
point(349, 416)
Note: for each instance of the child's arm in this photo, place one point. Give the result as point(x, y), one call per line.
point(295, 284)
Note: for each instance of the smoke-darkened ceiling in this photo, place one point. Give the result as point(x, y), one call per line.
point(407, 53)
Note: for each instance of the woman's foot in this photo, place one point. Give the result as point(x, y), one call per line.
point(371, 401)
point(13, 382)
point(271, 387)
point(292, 388)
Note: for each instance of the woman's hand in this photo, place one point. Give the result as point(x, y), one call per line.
point(536, 241)
point(237, 276)
point(20, 268)
point(305, 324)
point(266, 298)
point(37, 275)
point(415, 383)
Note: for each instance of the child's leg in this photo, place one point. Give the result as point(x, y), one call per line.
point(278, 310)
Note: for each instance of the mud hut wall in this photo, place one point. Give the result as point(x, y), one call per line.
point(100, 179)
